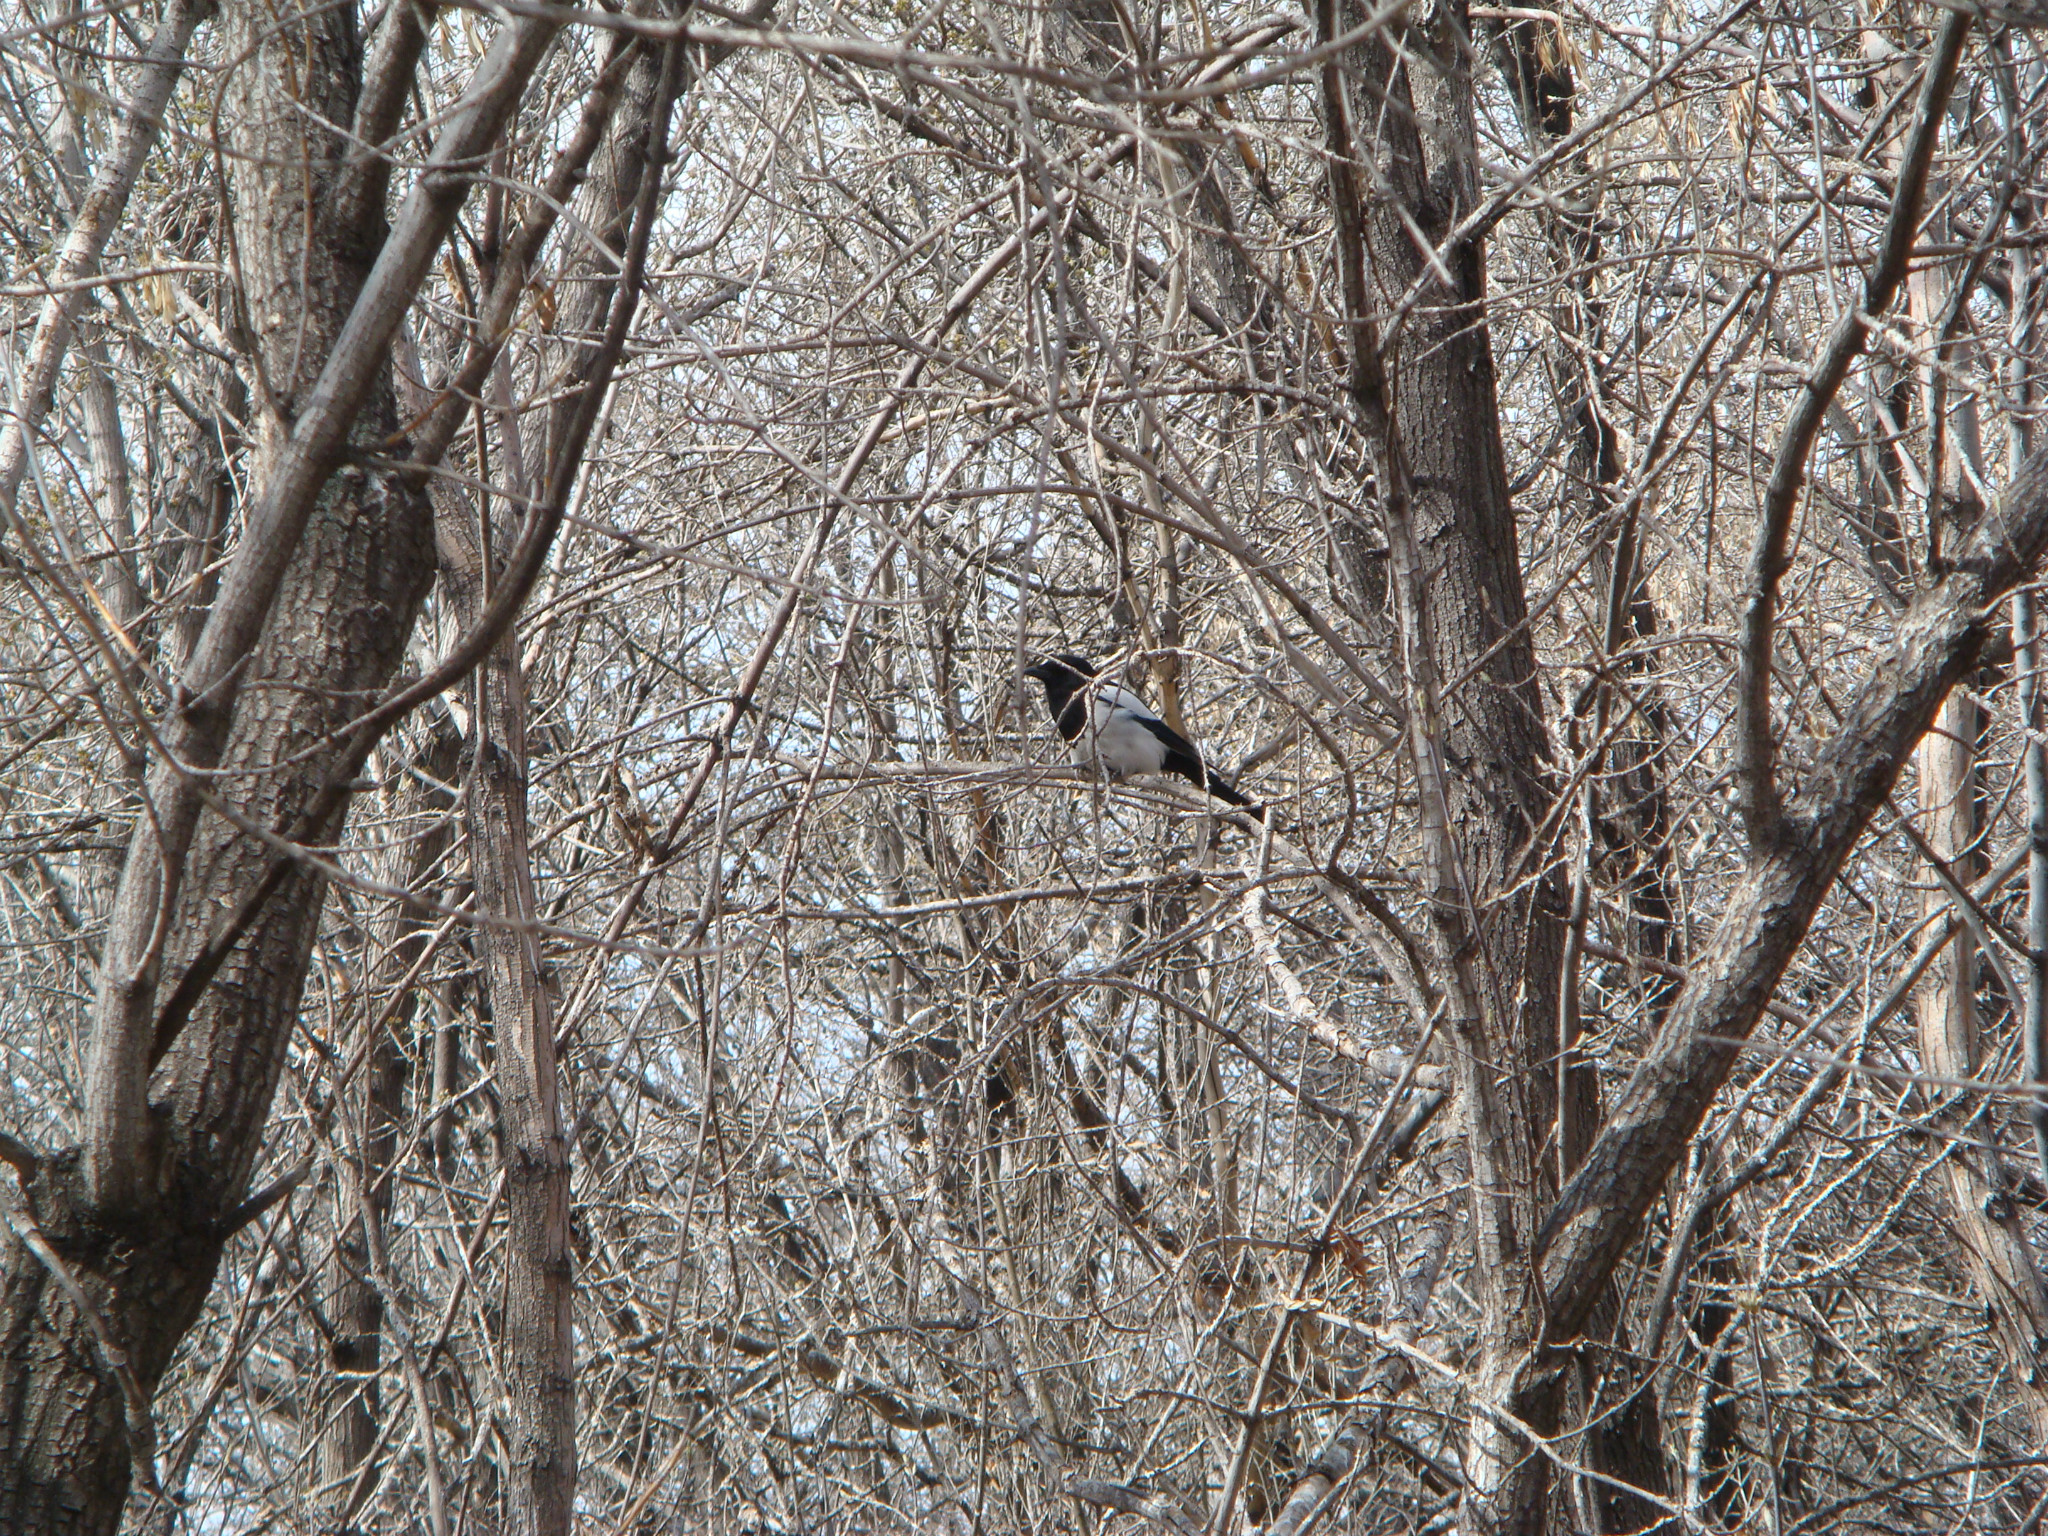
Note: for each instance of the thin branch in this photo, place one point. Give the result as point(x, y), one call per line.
point(253, 1207)
point(71, 281)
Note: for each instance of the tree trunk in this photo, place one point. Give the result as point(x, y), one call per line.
point(120, 1238)
point(539, 1486)
point(539, 1321)
point(374, 1110)
point(1406, 113)
point(1983, 1214)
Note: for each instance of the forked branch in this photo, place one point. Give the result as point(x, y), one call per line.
point(1601, 1209)
point(1763, 814)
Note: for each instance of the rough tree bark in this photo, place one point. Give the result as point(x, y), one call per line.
point(117, 1239)
point(616, 213)
point(1398, 115)
point(145, 1259)
point(539, 1348)
point(1628, 829)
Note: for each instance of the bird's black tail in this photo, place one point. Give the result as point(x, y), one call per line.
point(1201, 775)
point(1231, 794)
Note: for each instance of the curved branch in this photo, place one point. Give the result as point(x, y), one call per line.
point(1763, 814)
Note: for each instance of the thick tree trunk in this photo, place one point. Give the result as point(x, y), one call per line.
point(1407, 114)
point(116, 1249)
point(349, 604)
point(1995, 1249)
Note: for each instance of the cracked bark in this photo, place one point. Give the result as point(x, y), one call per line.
point(539, 1484)
point(1618, 1403)
point(1398, 115)
point(318, 600)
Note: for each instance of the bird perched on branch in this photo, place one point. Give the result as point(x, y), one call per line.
point(1113, 729)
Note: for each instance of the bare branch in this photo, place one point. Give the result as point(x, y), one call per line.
point(71, 279)
point(1756, 777)
point(1769, 910)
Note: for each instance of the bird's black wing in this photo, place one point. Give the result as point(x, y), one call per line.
point(1181, 756)
point(1183, 759)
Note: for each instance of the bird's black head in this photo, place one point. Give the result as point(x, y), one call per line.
point(1067, 665)
point(1063, 676)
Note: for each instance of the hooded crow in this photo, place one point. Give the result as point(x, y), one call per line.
point(1112, 728)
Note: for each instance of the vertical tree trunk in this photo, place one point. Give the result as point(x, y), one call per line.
point(207, 949)
point(375, 1108)
point(1403, 107)
point(1982, 1213)
point(539, 1341)
point(1996, 1251)
point(539, 1486)
point(1631, 828)
point(144, 1266)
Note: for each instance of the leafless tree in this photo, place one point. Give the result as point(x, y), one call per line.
point(560, 977)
